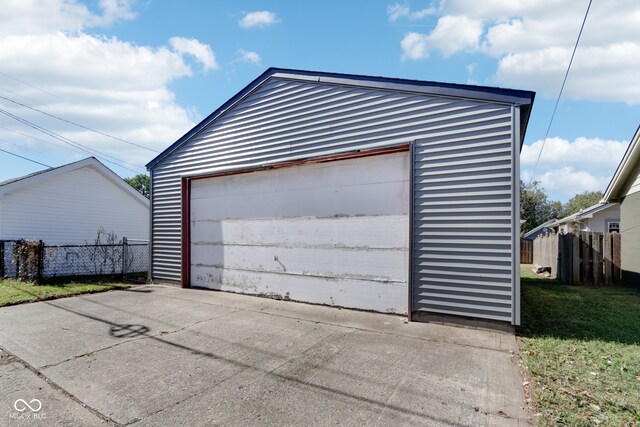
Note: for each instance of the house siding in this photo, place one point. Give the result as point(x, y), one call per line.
point(600, 220)
point(70, 207)
point(630, 240)
point(633, 185)
point(465, 158)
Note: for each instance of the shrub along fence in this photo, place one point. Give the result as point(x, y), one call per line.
point(580, 258)
point(35, 260)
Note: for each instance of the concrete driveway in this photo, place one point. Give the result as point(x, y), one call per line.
point(158, 355)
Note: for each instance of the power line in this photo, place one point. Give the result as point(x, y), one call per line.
point(38, 139)
point(546, 135)
point(25, 158)
point(91, 151)
point(77, 124)
point(4, 141)
point(29, 84)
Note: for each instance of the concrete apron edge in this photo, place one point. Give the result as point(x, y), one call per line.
point(500, 341)
point(58, 388)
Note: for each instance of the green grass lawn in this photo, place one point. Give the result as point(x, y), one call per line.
point(580, 349)
point(16, 292)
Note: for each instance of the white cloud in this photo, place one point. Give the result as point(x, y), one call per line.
point(259, 19)
point(558, 170)
point(30, 17)
point(533, 46)
point(397, 11)
point(116, 10)
point(415, 46)
point(248, 56)
point(451, 35)
point(101, 82)
point(202, 52)
point(566, 182)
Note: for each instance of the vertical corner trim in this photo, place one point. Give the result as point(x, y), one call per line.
point(185, 239)
point(410, 278)
point(515, 113)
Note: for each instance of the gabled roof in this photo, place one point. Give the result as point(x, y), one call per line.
point(92, 162)
point(586, 213)
point(540, 227)
point(628, 163)
point(521, 98)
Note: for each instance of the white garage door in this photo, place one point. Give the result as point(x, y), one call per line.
point(332, 233)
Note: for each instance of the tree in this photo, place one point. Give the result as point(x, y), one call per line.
point(140, 182)
point(535, 207)
point(581, 201)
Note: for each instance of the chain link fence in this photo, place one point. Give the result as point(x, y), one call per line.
point(128, 259)
point(7, 266)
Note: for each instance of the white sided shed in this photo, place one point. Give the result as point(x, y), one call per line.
point(67, 205)
point(373, 193)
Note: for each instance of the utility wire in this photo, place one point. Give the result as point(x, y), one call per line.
point(91, 151)
point(29, 84)
point(25, 158)
point(77, 124)
point(4, 141)
point(546, 135)
point(66, 147)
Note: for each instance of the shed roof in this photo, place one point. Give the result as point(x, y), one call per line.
point(533, 231)
point(629, 161)
point(32, 178)
point(521, 98)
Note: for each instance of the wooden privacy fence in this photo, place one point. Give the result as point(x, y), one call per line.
point(545, 252)
point(581, 258)
point(526, 251)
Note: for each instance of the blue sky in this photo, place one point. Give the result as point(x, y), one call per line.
point(147, 71)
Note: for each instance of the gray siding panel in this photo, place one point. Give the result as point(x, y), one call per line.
point(463, 177)
point(463, 220)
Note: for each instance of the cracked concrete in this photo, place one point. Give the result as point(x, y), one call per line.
point(163, 355)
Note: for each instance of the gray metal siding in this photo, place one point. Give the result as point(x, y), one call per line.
point(463, 177)
point(463, 221)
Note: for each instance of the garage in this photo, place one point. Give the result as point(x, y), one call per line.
point(332, 232)
point(383, 194)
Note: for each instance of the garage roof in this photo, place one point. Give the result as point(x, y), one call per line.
point(522, 98)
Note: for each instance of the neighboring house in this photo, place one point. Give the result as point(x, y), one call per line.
point(544, 228)
point(365, 192)
point(624, 188)
point(68, 204)
point(601, 217)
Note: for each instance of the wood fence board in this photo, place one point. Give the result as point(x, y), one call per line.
point(587, 267)
point(587, 258)
point(575, 243)
point(615, 258)
point(596, 239)
point(526, 251)
point(606, 259)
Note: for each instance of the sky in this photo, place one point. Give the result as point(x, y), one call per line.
point(124, 79)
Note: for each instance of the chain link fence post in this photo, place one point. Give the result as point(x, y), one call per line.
point(1, 259)
point(40, 261)
point(124, 258)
